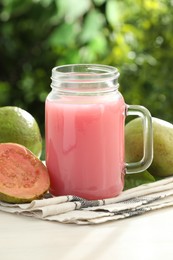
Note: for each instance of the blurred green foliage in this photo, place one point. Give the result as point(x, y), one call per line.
point(133, 35)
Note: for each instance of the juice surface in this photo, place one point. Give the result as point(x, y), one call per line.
point(85, 146)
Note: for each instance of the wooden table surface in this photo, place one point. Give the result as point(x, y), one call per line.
point(149, 236)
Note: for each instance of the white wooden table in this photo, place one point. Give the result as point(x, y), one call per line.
point(149, 236)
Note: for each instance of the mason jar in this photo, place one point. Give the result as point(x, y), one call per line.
point(84, 130)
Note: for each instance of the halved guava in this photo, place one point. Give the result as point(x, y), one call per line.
point(23, 177)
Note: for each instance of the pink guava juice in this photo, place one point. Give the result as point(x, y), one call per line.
point(85, 145)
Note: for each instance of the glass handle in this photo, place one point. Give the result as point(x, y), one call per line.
point(147, 158)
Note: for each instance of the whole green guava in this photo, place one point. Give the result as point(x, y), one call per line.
point(19, 126)
point(162, 164)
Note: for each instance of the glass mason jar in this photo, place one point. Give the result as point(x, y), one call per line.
point(84, 128)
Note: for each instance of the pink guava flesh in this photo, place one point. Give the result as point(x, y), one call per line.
point(22, 175)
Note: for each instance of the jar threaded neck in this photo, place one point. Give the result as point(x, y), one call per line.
point(85, 78)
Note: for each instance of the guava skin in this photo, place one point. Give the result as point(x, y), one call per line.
point(162, 164)
point(19, 126)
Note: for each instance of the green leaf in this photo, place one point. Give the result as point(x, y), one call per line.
point(113, 12)
point(72, 9)
point(136, 179)
point(94, 21)
point(63, 35)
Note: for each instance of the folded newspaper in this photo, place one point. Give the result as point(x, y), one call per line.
point(73, 209)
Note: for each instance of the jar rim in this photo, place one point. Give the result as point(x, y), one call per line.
point(84, 72)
